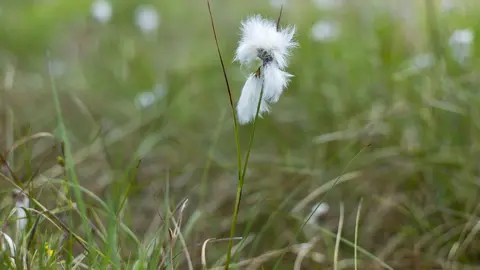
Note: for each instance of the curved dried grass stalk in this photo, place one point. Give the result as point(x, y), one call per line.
point(204, 249)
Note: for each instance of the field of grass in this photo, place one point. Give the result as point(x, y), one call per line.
point(121, 151)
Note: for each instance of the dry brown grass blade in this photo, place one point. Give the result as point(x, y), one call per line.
point(183, 243)
point(181, 209)
point(460, 246)
point(279, 17)
point(339, 237)
point(204, 250)
point(254, 263)
point(26, 139)
point(302, 253)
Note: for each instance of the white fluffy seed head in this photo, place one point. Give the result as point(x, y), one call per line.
point(21, 202)
point(318, 210)
point(101, 10)
point(262, 40)
point(275, 81)
point(248, 102)
point(258, 35)
point(147, 18)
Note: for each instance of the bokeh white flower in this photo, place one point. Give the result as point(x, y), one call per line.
point(144, 99)
point(447, 5)
point(324, 30)
point(461, 44)
point(101, 10)
point(318, 210)
point(278, 3)
point(261, 40)
point(327, 4)
point(147, 18)
point(147, 98)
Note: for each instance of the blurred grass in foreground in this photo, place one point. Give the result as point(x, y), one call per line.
point(381, 108)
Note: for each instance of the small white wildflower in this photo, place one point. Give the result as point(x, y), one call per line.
point(7, 244)
point(460, 43)
point(327, 4)
point(145, 99)
point(278, 3)
point(325, 31)
point(318, 210)
point(261, 40)
point(21, 202)
point(447, 5)
point(101, 10)
point(147, 18)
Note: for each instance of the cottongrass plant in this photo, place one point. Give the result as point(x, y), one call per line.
point(21, 203)
point(263, 40)
point(266, 42)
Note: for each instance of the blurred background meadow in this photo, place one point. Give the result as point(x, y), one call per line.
point(117, 137)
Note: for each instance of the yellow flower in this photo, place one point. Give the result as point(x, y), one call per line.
point(48, 250)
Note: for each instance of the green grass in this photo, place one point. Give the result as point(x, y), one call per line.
point(392, 150)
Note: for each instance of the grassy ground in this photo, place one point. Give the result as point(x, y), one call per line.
point(380, 122)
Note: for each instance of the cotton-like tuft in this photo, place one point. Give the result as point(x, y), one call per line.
point(261, 40)
point(260, 36)
point(318, 210)
point(21, 202)
point(275, 81)
point(248, 102)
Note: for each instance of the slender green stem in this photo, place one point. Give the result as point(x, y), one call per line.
point(237, 138)
point(241, 182)
point(252, 135)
